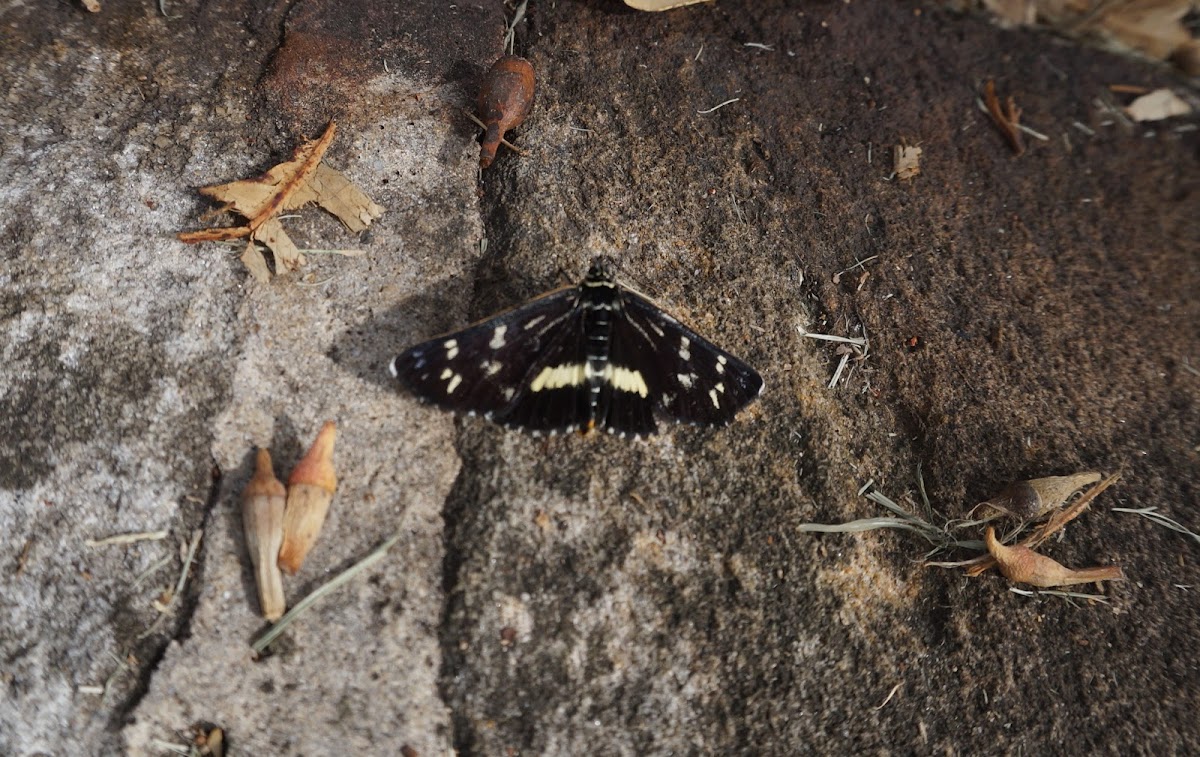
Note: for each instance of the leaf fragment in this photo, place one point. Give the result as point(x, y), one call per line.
point(1007, 118)
point(1157, 105)
point(335, 193)
point(256, 263)
point(907, 161)
point(302, 180)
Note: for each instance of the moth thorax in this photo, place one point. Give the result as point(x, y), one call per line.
point(600, 304)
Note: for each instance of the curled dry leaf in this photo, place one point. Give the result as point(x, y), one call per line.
point(907, 161)
point(310, 490)
point(1022, 565)
point(262, 518)
point(505, 99)
point(1034, 498)
point(302, 180)
point(1006, 118)
point(1156, 28)
point(1157, 105)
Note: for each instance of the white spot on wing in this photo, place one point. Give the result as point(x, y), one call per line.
point(454, 382)
point(533, 322)
point(446, 373)
point(684, 343)
point(712, 394)
point(451, 346)
point(686, 379)
point(491, 367)
point(498, 337)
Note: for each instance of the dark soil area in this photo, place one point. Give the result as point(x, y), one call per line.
point(1027, 316)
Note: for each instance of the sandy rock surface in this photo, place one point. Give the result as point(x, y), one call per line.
point(1026, 316)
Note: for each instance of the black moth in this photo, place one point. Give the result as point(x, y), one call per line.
point(596, 355)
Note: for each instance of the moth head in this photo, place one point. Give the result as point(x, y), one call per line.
point(602, 270)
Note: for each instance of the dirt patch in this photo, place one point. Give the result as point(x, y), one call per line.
point(1026, 316)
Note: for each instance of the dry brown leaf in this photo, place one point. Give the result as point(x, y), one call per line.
point(1154, 28)
point(1006, 118)
point(256, 263)
point(287, 186)
point(287, 255)
point(1159, 104)
point(262, 197)
point(907, 161)
point(334, 192)
point(1015, 12)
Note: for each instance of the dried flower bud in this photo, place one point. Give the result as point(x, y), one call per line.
point(505, 99)
point(310, 490)
point(1024, 566)
point(1032, 499)
point(262, 518)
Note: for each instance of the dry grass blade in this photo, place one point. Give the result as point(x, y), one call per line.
point(503, 141)
point(1152, 514)
point(858, 526)
point(197, 535)
point(127, 538)
point(1055, 593)
point(940, 537)
point(260, 645)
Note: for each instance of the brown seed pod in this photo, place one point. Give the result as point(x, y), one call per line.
point(310, 490)
point(504, 101)
point(262, 518)
point(1024, 566)
point(1031, 499)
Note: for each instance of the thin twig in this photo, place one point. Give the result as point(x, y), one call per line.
point(127, 538)
point(1006, 118)
point(179, 585)
point(503, 141)
point(1056, 593)
point(1152, 514)
point(1084, 128)
point(260, 645)
point(510, 36)
point(1032, 133)
point(837, 374)
point(830, 338)
point(858, 264)
point(718, 107)
point(891, 694)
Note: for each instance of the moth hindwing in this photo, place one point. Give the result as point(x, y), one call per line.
point(597, 355)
